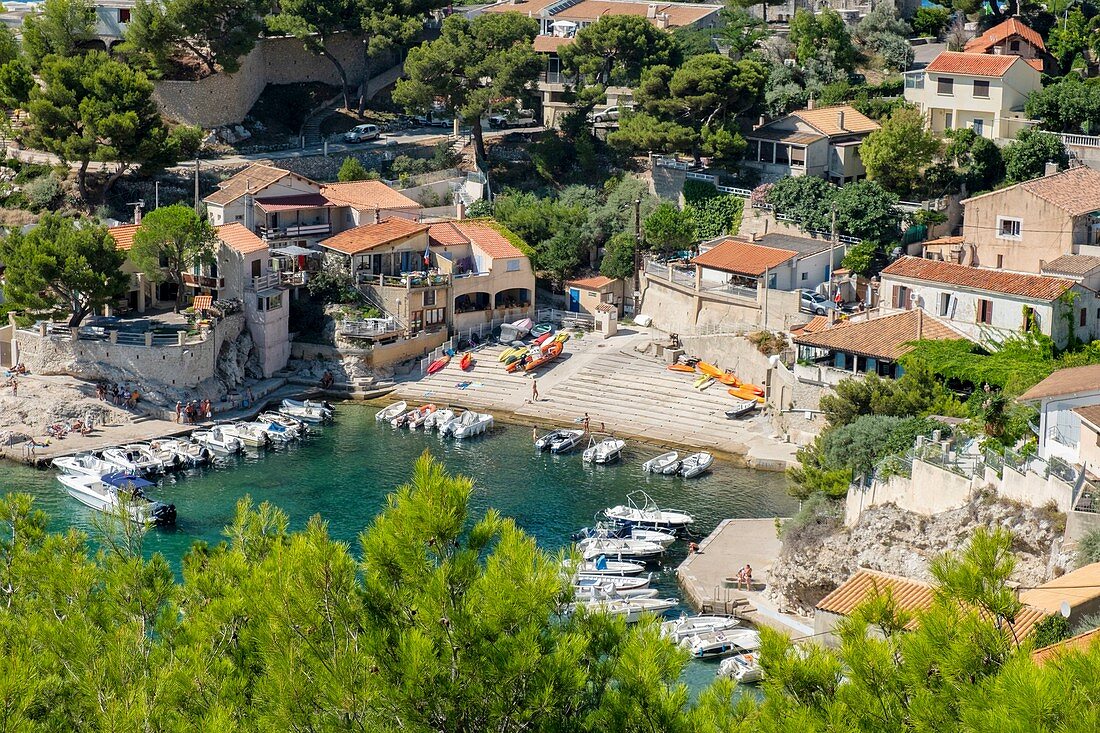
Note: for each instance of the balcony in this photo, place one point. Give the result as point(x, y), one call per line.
point(203, 281)
point(296, 230)
point(270, 281)
point(407, 281)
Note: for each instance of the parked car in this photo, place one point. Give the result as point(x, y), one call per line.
point(608, 114)
point(362, 133)
point(434, 118)
point(814, 303)
point(518, 118)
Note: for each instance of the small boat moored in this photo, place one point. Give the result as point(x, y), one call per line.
point(740, 408)
point(217, 440)
point(606, 451)
point(648, 514)
point(696, 464)
point(567, 441)
point(483, 422)
point(745, 668)
point(113, 491)
point(388, 413)
point(722, 643)
point(687, 626)
point(665, 463)
point(83, 464)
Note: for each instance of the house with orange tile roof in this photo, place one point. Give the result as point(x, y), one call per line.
point(1048, 225)
point(584, 294)
point(989, 305)
point(1068, 402)
point(981, 91)
point(1011, 37)
point(822, 142)
point(774, 260)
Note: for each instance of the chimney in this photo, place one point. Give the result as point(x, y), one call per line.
point(662, 21)
point(460, 210)
point(752, 237)
point(920, 321)
point(377, 216)
point(137, 212)
point(1050, 169)
point(810, 102)
point(651, 11)
point(840, 118)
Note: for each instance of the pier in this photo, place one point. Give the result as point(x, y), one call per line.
point(708, 577)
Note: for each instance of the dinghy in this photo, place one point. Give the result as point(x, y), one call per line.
point(696, 464)
point(466, 363)
point(437, 419)
point(662, 462)
point(567, 441)
point(418, 417)
point(688, 626)
point(663, 538)
point(83, 464)
point(516, 330)
point(287, 421)
point(648, 513)
point(745, 668)
point(740, 408)
point(388, 413)
point(114, 490)
point(169, 460)
point(552, 351)
point(606, 451)
point(686, 368)
point(542, 329)
point(624, 594)
point(449, 427)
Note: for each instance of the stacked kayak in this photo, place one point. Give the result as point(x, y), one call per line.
point(552, 352)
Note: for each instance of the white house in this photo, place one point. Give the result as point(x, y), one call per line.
point(821, 142)
point(985, 92)
point(1069, 415)
point(987, 305)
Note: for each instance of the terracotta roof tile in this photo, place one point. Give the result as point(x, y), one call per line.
point(1037, 287)
point(1090, 414)
point(293, 202)
point(1075, 588)
point(363, 238)
point(367, 195)
point(1036, 64)
point(237, 237)
point(826, 120)
point(257, 176)
point(446, 233)
point(972, 64)
point(1064, 382)
point(476, 233)
point(1072, 265)
point(742, 258)
point(1080, 643)
point(124, 235)
point(550, 44)
point(944, 240)
point(606, 308)
point(1076, 190)
point(817, 323)
point(679, 14)
point(1002, 32)
point(886, 338)
point(593, 283)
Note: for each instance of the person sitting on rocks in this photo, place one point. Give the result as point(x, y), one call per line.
point(327, 379)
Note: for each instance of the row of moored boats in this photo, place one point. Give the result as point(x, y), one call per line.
point(610, 450)
point(108, 479)
point(454, 423)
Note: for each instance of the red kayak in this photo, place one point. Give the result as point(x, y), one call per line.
point(542, 339)
point(438, 364)
point(467, 361)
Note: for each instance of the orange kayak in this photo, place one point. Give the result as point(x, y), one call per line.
point(681, 368)
point(438, 364)
point(710, 370)
point(551, 353)
point(467, 361)
point(747, 392)
point(730, 379)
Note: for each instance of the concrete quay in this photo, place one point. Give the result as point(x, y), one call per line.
point(708, 576)
point(624, 393)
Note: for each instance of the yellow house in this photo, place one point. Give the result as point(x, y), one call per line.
point(584, 294)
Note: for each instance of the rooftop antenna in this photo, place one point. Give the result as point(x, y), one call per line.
point(138, 206)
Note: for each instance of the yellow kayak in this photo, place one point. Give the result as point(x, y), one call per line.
point(709, 369)
point(562, 337)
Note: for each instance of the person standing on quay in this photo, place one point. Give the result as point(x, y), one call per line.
point(179, 411)
point(534, 390)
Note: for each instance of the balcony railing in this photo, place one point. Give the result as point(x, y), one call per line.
point(407, 281)
point(296, 230)
point(203, 281)
point(269, 281)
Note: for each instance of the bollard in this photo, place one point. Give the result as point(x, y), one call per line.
point(112, 336)
point(148, 339)
point(181, 337)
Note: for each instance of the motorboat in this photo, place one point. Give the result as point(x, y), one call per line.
point(311, 411)
point(458, 421)
point(631, 609)
point(745, 668)
point(566, 441)
point(664, 538)
point(482, 423)
point(603, 566)
point(665, 463)
point(618, 582)
point(217, 440)
point(607, 592)
point(249, 434)
point(544, 442)
point(687, 626)
point(696, 464)
point(417, 417)
point(169, 459)
point(287, 421)
point(606, 451)
point(388, 413)
point(401, 420)
point(437, 419)
point(722, 643)
point(740, 408)
point(648, 513)
point(619, 548)
point(83, 464)
point(188, 454)
point(139, 462)
point(112, 491)
point(274, 431)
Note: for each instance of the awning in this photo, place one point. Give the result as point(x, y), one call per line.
point(269, 292)
point(294, 250)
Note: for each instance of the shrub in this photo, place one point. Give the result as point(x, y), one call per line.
point(187, 139)
point(1051, 630)
point(332, 287)
point(352, 170)
point(1088, 548)
point(480, 208)
point(42, 193)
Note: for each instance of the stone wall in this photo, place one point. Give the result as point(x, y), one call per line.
point(225, 99)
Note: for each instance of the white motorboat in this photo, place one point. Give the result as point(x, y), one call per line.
point(593, 592)
point(632, 609)
point(388, 413)
point(745, 668)
point(648, 513)
point(722, 643)
point(132, 462)
point(466, 418)
point(662, 463)
point(616, 582)
point(662, 537)
point(217, 440)
point(566, 441)
point(687, 626)
point(275, 432)
point(249, 434)
point(83, 464)
point(168, 459)
point(696, 464)
point(543, 442)
point(437, 419)
point(188, 453)
point(114, 490)
point(619, 548)
point(606, 451)
point(310, 411)
point(740, 408)
point(481, 424)
point(603, 566)
point(417, 417)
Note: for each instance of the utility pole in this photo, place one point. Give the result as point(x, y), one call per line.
point(637, 252)
point(197, 209)
point(832, 248)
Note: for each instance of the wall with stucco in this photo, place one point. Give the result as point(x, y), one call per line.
point(1034, 490)
point(930, 490)
point(680, 309)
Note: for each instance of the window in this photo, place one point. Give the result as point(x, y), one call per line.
point(433, 316)
point(513, 265)
point(985, 311)
point(275, 302)
point(978, 126)
point(945, 85)
point(782, 156)
point(767, 152)
point(1030, 318)
point(752, 152)
point(805, 276)
point(124, 15)
point(947, 304)
point(256, 265)
point(901, 297)
point(1084, 318)
point(949, 121)
point(239, 217)
point(1014, 46)
point(1000, 262)
point(798, 157)
point(981, 89)
point(1009, 228)
point(429, 297)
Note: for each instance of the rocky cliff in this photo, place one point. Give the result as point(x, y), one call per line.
point(820, 554)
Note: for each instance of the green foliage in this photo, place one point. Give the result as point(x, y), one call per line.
point(668, 229)
point(1069, 38)
point(1027, 156)
point(1088, 548)
point(9, 45)
point(805, 199)
point(217, 32)
point(863, 209)
point(696, 191)
point(812, 32)
point(60, 265)
point(897, 154)
point(919, 391)
point(618, 258)
point(185, 141)
point(930, 21)
point(172, 240)
point(1051, 630)
point(1019, 363)
point(43, 193)
point(327, 287)
point(315, 24)
point(61, 28)
point(866, 258)
point(1069, 104)
point(716, 215)
point(479, 209)
point(640, 132)
point(616, 49)
point(883, 32)
point(352, 170)
point(741, 30)
point(16, 83)
point(978, 159)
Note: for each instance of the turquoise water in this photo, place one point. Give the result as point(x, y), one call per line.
point(344, 471)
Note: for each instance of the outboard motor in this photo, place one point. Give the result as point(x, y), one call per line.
point(164, 513)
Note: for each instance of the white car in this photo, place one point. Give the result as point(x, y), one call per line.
point(433, 118)
point(362, 133)
point(608, 114)
point(812, 302)
point(518, 118)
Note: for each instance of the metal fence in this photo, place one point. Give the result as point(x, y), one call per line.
point(566, 319)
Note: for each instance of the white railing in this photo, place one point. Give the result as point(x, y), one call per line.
point(567, 319)
point(1081, 141)
point(368, 327)
point(269, 281)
